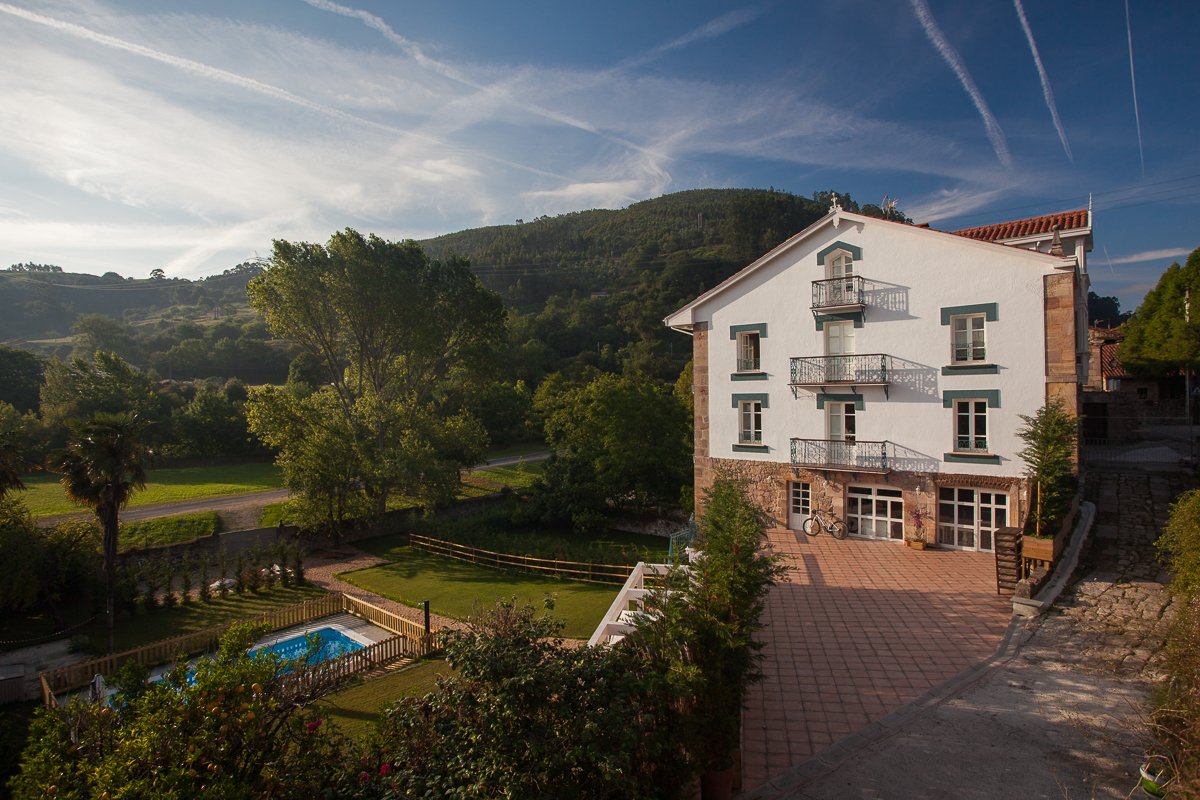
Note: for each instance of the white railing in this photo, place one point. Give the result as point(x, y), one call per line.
point(619, 619)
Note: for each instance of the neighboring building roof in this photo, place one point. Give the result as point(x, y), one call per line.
point(1033, 226)
point(1110, 363)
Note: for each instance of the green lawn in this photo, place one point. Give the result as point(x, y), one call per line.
point(356, 709)
point(168, 530)
point(45, 497)
point(458, 589)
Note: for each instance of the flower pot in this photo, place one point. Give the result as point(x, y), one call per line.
point(716, 784)
point(916, 544)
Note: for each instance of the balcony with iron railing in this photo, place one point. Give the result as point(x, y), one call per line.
point(844, 456)
point(867, 369)
point(839, 294)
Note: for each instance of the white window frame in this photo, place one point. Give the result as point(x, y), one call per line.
point(800, 498)
point(960, 517)
point(848, 413)
point(749, 361)
point(750, 422)
point(976, 410)
point(875, 512)
point(974, 353)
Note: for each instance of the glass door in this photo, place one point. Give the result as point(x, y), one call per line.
point(968, 518)
point(839, 351)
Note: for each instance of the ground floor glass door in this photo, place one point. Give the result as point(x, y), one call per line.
point(968, 518)
point(875, 511)
point(799, 504)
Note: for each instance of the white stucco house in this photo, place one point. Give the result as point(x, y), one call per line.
point(873, 368)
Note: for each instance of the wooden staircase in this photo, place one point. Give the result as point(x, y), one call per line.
point(1008, 559)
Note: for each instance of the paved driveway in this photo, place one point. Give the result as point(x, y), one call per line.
point(859, 629)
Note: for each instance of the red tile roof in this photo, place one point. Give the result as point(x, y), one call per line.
point(1110, 362)
point(1065, 220)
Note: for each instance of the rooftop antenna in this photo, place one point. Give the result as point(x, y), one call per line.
point(1089, 209)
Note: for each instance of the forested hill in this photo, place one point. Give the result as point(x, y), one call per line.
point(687, 240)
point(586, 288)
point(42, 301)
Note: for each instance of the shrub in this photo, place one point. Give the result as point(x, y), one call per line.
point(168, 530)
point(205, 589)
point(1049, 437)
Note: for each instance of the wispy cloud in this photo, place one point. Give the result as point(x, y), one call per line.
point(709, 30)
point(952, 58)
point(1137, 117)
point(1047, 92)
point(1153, 255)
point(951, 203)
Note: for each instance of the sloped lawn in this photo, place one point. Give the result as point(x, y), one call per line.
point(458, 589)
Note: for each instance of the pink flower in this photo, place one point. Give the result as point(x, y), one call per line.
point(312, 726)
point(364, 776)
point(385, 768)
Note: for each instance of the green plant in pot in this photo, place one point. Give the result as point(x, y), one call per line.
point(1049, 451)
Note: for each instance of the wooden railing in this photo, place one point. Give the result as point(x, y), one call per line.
point(383, 618)
point(339, 669)
point(577, 570)
point(76, 676)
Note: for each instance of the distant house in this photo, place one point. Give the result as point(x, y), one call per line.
point(875, 368)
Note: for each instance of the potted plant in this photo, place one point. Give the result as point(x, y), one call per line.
point(916, 538)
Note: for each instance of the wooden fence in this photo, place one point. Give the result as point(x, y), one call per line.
point(164, 651)
point(339, 669)
point(577, 570)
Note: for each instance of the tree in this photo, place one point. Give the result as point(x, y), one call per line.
point(14, 435)
point(1049, 456)
point(1159, 338)
point(1105, 311)
point(20, 378)
point(388, 327)
point(103, 465)
point(523, 716)
point(157, 274)
point(78, 389)
point(701, 627)
point(96, 332)
point(237, 727)
point(619, 442)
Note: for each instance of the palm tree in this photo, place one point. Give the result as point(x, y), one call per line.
point(101, 468)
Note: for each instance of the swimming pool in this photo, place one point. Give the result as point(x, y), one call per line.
point(331, 643)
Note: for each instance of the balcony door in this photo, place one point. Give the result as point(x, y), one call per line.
point(840, 271)
point(839, 349)
point(841, 427)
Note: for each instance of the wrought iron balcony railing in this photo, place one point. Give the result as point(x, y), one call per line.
point(837, 454)
point(868, 369)
point(843, 293)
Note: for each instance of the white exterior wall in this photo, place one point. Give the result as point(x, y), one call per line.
point(920, 272)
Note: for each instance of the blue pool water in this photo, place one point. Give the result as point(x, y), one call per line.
point(331, 644)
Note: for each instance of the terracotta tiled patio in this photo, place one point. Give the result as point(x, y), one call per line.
point(859, 629)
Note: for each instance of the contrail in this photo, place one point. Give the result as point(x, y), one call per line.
point(249, 84)
point(939, 41)
point(1047, 92)
point(1137, 117)
point(414, 51)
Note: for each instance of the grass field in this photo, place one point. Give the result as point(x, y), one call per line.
point(168, 530)
point(356, 709)
point(45, 497)
point(458, 589)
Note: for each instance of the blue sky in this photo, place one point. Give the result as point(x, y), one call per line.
point(188, 135)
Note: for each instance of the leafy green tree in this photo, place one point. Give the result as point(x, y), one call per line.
point(103, 465)
point(1049, 456)
point(388, 327)
point(619, 442)
point(522, 716)
point(1105, 311)
point(108, 384)
point(45, 569)
point(98, 333)
point(212, 425)
point(700, 630)
point(20, 378)
point(238, 728)
point(1159, 339)
point(15, 434)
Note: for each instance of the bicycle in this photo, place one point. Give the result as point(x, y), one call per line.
point(824, 521)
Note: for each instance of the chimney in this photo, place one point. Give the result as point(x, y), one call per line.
point(1056, 248)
